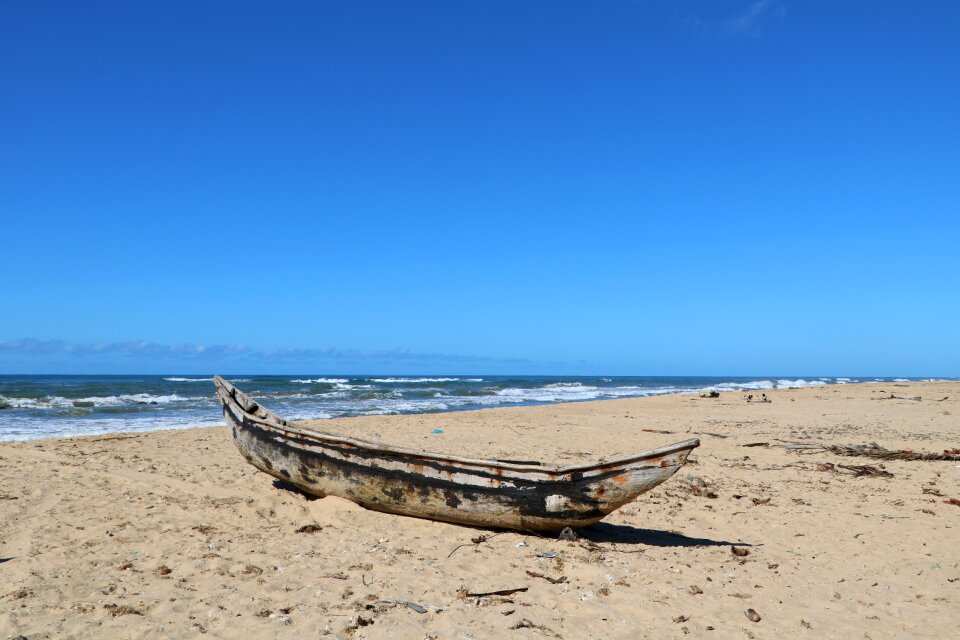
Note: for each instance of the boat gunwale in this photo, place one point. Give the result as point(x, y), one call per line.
point(322, 436)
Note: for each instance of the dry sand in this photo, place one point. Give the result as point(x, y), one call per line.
point(172, 535)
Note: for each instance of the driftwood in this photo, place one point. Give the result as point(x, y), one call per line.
point(475, 541)
point(873, 450)
point(497, 592)
point(560, 580)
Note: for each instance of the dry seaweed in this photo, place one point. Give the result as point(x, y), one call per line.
point(860, 470)
point(873, 450)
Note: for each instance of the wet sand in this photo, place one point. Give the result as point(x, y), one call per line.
point(171, 534)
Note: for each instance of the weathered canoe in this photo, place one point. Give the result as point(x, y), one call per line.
point(486, 493)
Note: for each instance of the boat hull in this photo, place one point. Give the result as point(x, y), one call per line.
point(446, 488)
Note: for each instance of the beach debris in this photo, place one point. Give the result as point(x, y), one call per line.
point(362, 622)
point(710, 394)
point(695, 590)
point(752, 615)
point(124, 566)
point(437, 431)
point(496, 592)
point(756, 444)
point(117, 610)
point(163, 570)
point(546, 555)
point(263, 613)
point(740, 552)
point(310, 528)
point(335, 576)
point(715, 435)
point(658, 431)
point(860, 470)
point(524, 623)
point(933, 491)
point(279, 617)
point(560, 580)
point(410, 604)
point(893, 397)
point(874, 450)
point(760, 501)
point(521, 544)
point(805, 624)
point(251, 570)
point(953, 501)
point(681, 619)
point(19, 594)
point(699, 487)
point(568, 535)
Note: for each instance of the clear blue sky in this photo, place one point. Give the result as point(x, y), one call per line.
point(647, 187)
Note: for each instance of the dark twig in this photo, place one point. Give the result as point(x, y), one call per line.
point(475, 541)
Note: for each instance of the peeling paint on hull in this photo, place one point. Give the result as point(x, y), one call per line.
point(481, 493)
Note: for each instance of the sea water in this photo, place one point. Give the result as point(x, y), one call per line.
point(56, 406)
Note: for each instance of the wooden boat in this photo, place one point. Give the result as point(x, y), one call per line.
point(485, 493)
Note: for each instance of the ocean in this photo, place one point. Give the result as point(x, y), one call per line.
point(58, 406)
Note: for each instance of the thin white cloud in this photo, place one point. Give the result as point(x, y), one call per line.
point(31, 347)
point(753, 19)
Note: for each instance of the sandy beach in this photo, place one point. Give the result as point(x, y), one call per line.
point(171, 534)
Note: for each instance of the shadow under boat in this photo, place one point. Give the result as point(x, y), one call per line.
point(625, 534)
point(599, 532)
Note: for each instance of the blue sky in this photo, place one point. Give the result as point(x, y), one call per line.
point(650, 187)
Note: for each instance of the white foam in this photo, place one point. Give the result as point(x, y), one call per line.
point(797, 384)
point(568, 392)
point(756, 385)
point(69, 428)
point(322, 381)
point(416, 380)
point(59, 402)
point(344, 387)
point(192, 380)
